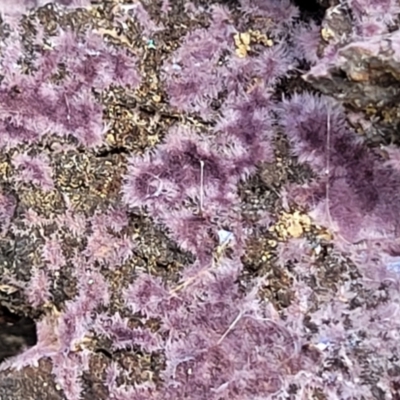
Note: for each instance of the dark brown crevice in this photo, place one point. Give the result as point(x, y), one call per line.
point(312, 9)
point(16, 333)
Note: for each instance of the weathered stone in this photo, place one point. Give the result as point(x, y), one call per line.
point(361, 73)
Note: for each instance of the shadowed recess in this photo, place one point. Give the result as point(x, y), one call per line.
point(17, 333)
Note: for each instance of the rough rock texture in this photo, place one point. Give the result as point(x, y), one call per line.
point(184, 217)
point(360, 66)
point(361, 73)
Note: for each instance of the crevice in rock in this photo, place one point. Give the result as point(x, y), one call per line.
point(312, 9)
point(17, 333)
